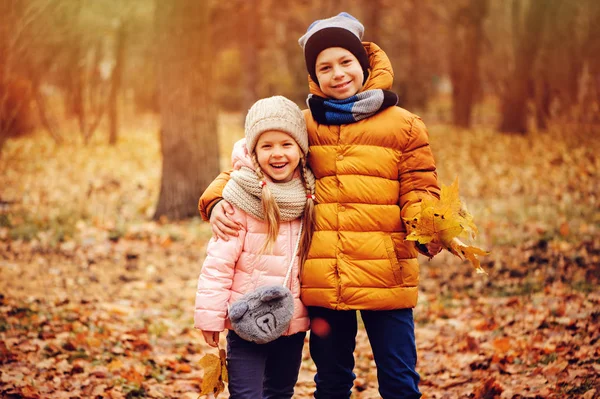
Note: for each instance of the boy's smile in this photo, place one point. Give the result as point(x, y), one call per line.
point(339, 73)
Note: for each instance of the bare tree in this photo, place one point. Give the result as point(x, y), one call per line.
point(416, 89)
point(465, 51)
point(592, 57)
point(527, 35)
point(115, 86)
point(373, 20)
point(189, 142)
point(16, 91)
point(249, 48)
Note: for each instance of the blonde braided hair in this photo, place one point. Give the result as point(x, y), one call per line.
point(270, 209)
point(309, 220)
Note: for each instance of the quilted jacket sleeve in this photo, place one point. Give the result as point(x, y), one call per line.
point(212, 195)
point(216, 278)
point(417, 172)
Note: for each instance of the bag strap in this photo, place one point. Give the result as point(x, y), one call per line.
point(293, 257)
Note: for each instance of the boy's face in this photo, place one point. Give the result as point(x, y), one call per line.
point(339, 73)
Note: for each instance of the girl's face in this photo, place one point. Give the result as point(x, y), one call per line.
point(278, 155)
point(339, 73)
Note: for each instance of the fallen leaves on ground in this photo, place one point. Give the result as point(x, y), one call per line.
point(96, 301)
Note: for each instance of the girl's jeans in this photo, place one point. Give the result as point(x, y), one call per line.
point(267, 371)
point(392, 337)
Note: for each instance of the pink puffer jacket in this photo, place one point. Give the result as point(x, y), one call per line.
point(235, 267)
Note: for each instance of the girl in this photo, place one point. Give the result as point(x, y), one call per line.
point(272, 191)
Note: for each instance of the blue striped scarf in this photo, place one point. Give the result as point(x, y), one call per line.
point(327, 111)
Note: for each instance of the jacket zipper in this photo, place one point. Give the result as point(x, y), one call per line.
point(293, 255)
point(291, 239)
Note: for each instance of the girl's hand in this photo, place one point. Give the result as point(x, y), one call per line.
point(211, 338)
point(223, 227)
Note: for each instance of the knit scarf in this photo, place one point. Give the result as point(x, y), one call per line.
point(244, 191)
point(327, 111)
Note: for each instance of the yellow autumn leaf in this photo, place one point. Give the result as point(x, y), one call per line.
point(224, 373)
point(469, 252)
point(215, 374)
point(114, 365)
point(443, 220)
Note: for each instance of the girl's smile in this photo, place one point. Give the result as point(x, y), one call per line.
point(278, 155)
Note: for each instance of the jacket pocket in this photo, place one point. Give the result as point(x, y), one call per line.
point(395, 265)
point(406, 253)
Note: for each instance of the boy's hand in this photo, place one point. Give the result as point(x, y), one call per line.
point(223, 227)
point(433, 248)
point(211, 337)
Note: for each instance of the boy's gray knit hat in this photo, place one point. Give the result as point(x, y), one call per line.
point(344, 31)
point(276, 113)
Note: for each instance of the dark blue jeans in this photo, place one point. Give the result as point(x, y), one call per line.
point(392, 337)
point(267, 371)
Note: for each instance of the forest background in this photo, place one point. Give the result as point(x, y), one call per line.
point(115, 115)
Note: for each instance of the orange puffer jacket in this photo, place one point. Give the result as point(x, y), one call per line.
point(370, 175)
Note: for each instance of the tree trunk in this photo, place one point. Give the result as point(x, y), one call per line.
point(514, 101)
point(94, 79)
point(543, 100)
point(249, 50)
point(15, 86)
point(47, 120)
point(294, 57)
point(115, 86)
point(71, 68)
point(373, 12)
point(593, 51)
point(78, 81)
point(189, 142)
point(9, 13)
point(464, 59)
point(96, 100)
point(415, 97)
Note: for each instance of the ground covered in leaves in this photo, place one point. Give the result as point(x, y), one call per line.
point(96, 301)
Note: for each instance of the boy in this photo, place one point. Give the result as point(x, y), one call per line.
point(373, 166)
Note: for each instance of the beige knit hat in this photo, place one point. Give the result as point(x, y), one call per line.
point(276, 113)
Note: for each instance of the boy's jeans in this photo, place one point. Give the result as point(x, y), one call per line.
point(267, 371)
point(392, 337)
